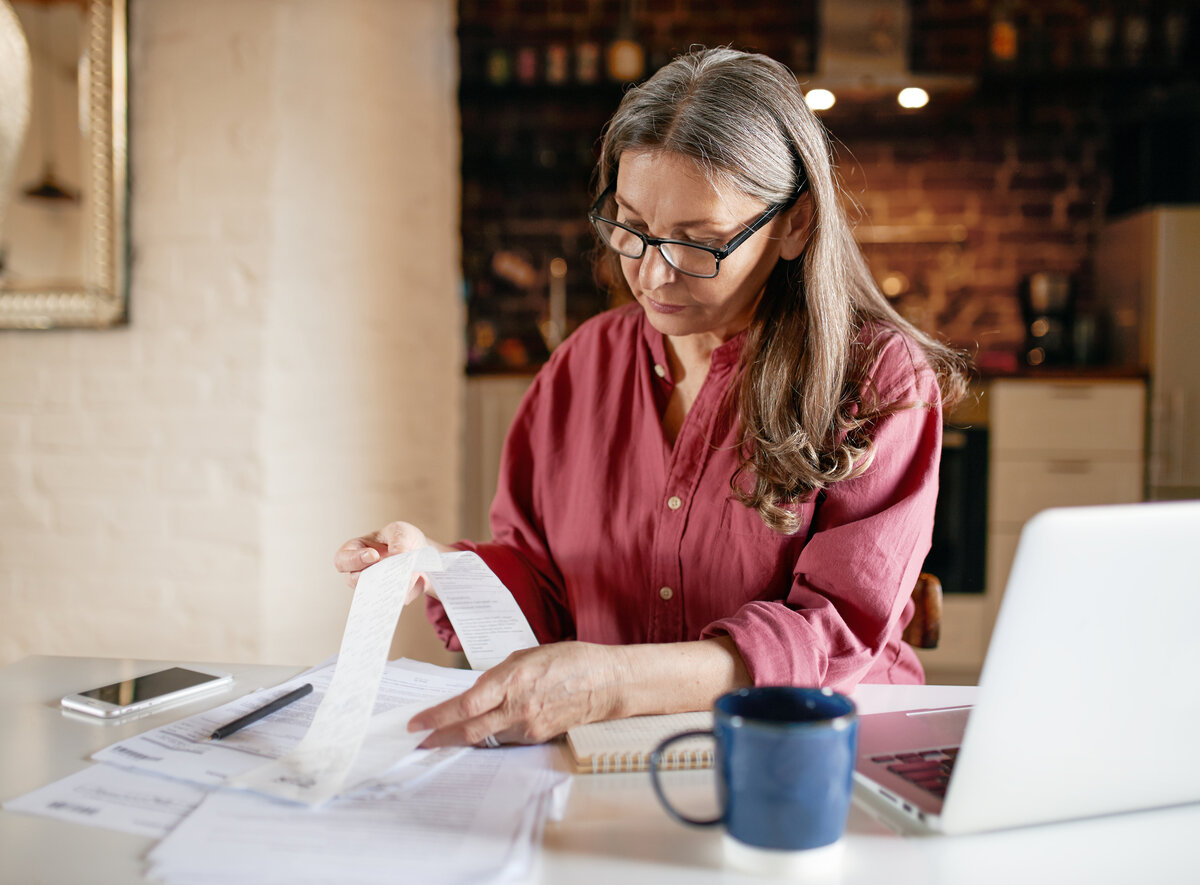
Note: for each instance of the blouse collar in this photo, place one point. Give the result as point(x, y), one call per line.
point(726, 354)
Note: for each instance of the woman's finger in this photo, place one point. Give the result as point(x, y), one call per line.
point(356, 555)
point(401, 537)
point(530, 697)
point(470, 732)
point(476, 701)
point(471, 717)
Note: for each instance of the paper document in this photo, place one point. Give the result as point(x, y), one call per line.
point(487, 620)
point(116, 799)
point(131, 801)
point(478, 820)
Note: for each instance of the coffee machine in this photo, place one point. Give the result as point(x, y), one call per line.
point(1048, 310)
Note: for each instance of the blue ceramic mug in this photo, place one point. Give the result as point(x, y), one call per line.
point(784, 763)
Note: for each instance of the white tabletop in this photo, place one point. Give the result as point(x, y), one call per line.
point(614, 829)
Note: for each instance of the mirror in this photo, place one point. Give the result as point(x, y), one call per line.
point(63, 164)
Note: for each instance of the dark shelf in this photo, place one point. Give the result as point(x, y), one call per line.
point(1110, 86)
point(607, 93)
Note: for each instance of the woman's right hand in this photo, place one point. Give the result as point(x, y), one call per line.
point(391, 540)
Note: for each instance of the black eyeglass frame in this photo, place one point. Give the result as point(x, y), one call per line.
point(647, 241)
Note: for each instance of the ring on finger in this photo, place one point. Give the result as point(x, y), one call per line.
point(491, 742)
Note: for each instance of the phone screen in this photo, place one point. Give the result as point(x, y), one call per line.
point(152, 685)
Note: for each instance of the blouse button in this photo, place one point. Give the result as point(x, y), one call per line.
point(674, 502)
point(666, 592)
point(660, 371)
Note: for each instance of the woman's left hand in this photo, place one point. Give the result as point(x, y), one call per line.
point(532, 696)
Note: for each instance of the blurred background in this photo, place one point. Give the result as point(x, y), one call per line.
point(357, 229)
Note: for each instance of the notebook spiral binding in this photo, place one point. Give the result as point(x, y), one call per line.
point(677, 760)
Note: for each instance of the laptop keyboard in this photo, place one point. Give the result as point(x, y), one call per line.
point(928, 769)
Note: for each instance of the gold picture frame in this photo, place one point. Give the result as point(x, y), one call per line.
point(97, 297)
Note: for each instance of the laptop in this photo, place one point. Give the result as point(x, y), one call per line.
point(1088, 701)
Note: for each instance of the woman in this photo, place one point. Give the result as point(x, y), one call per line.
point(730, 481)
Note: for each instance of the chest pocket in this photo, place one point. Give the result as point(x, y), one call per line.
point(761, 559)
point(738, 519)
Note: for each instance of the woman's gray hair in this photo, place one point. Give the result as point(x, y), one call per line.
point(743, 119)
point(696, 107)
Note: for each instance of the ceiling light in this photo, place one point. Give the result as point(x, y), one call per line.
point(820, 99)
point(913, 97)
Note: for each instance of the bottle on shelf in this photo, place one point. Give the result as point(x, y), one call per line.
point(626, 59)
point(587, 62)
point(1174, 34)
point(527, 65)
point(557, 68)
point(1003, 37)
point(1135, 37)
point(499, 67)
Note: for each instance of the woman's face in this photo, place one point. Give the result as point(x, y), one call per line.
point(666, 195)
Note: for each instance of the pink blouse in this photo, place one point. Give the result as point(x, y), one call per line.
point(606, 532)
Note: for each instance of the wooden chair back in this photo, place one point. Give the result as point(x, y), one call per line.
point(925, 628)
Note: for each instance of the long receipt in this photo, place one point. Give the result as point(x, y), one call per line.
point(487, 620)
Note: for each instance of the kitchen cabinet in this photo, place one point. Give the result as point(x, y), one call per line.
point(492, 401)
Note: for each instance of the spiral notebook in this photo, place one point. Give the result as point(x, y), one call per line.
point(626, 744)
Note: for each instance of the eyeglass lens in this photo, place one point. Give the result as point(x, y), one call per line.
point(690, 260)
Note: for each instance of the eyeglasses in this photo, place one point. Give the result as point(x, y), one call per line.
point(687, 258)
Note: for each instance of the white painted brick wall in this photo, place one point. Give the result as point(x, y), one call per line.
point(291, 372)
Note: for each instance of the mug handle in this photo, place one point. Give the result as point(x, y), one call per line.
point(652, 765)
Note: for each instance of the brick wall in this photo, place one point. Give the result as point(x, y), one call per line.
point(291, 372)
point(977, 212)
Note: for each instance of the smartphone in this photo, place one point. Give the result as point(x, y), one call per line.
point(142, 693)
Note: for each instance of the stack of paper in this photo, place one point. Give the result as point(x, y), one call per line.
point(477, 820)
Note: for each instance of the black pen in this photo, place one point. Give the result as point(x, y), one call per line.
point(250, 718)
